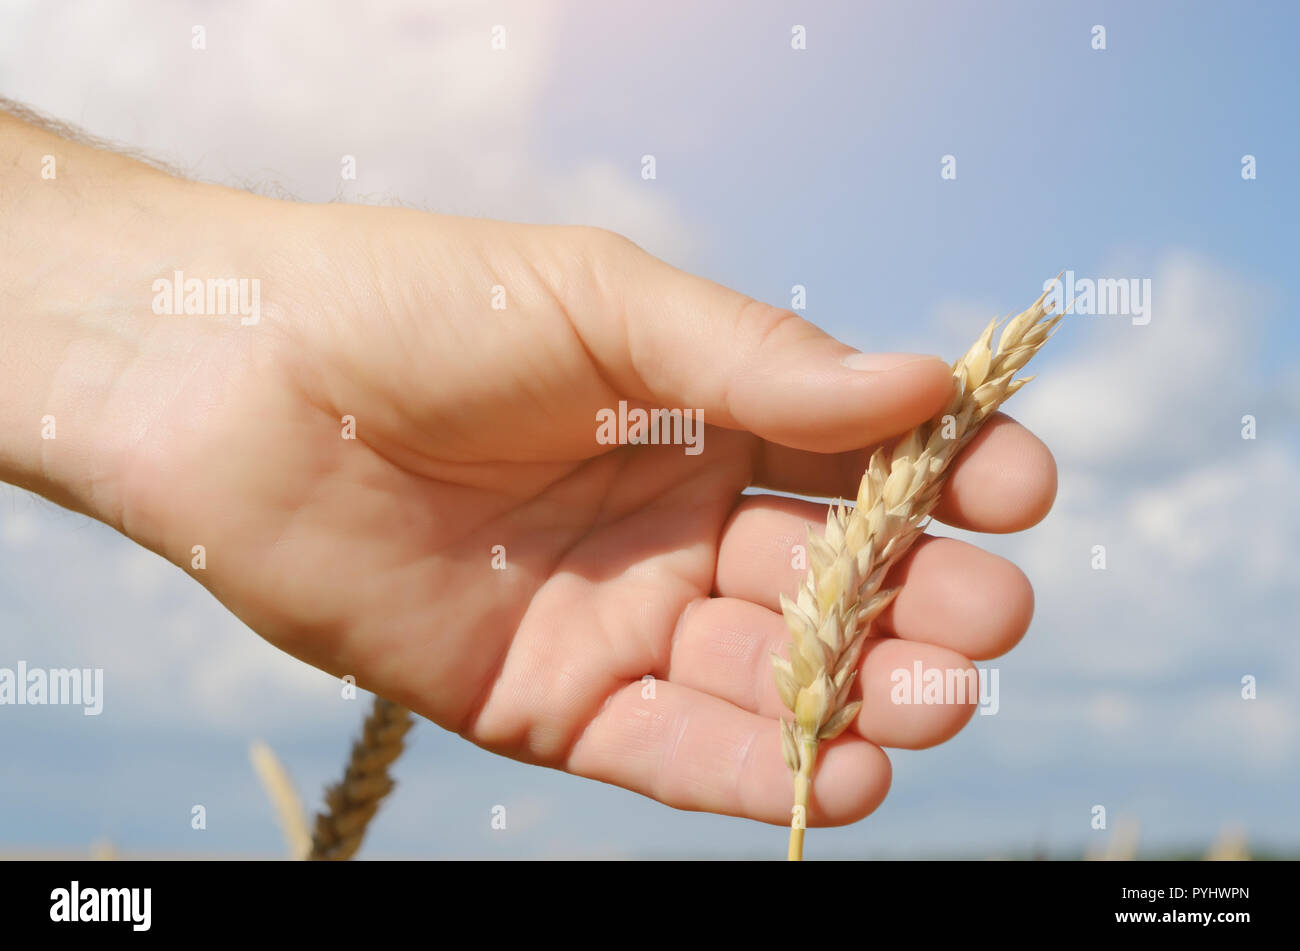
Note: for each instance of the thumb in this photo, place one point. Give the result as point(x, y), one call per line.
point(677, 340)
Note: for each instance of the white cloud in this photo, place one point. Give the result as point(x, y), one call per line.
point(1143, 397)
point(432, 113)
point(170, 653)
point(1144, 659)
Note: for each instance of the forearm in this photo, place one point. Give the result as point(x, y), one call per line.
point(84, 232)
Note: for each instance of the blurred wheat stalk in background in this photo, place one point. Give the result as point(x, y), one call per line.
point(353, 802)
point(284, 798)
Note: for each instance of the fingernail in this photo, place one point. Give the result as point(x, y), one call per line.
point(877, 362)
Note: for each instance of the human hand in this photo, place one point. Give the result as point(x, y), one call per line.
point(477, 427)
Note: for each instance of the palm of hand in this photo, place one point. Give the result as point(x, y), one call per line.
point(473, 553)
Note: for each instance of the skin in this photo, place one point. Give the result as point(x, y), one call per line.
point(475, 427)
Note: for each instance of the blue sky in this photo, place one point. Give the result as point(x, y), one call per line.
point(774, 167)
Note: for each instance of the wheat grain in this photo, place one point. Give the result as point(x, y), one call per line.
point(844, 589)
point(353, 802)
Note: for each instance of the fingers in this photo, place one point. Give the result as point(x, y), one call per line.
point(1004, 481)
point(660, 334)
point(723, 647)
point(694, 751)
point(954, 595)
point(961, 597)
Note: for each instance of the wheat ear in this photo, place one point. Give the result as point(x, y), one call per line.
point(844, 590)
point(352, 803)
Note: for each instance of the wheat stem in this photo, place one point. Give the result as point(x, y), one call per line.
point(844, 589)
point(802, 792)
point(284, 798)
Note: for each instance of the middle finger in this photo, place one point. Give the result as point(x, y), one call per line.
point(954, 595)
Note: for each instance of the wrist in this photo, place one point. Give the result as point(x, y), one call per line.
point(90, 359)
